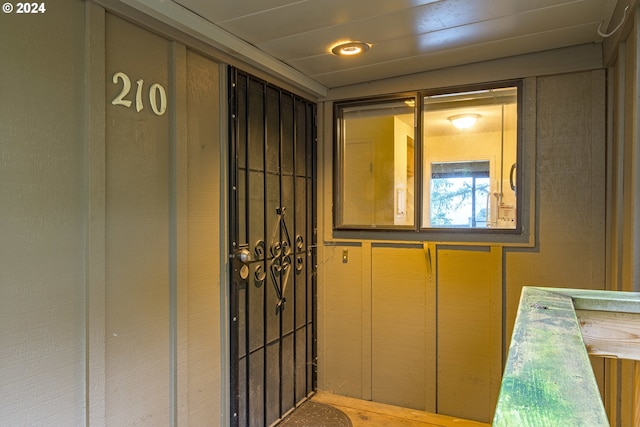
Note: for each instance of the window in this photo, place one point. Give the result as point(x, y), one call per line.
point(378, 144)
point(427, 161)
point(460, 194)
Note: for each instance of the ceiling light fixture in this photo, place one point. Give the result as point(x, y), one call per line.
point(464, 121)
point(350, 48)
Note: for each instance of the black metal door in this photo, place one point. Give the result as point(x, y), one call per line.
point(272, 237)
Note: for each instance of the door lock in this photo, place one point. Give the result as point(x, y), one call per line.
point(243, 255)
point(241, 259)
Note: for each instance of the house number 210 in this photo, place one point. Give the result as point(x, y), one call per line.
point(157, 94)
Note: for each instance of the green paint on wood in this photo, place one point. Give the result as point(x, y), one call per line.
point(548, 379)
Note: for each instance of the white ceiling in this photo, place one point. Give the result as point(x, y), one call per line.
point(407, 36)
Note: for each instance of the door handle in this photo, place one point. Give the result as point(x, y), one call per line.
point(511, 180)
point(241, 259)
point(243, 255)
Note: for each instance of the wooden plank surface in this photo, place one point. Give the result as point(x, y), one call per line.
point(610, 334)
point(548, 379)
point(587, 299)
point(364, 413)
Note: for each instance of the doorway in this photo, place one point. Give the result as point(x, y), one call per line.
point(272, 239)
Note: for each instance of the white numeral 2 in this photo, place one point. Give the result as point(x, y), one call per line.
point(157, 95)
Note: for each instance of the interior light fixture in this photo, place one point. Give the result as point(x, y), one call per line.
point(464, 121)
point(350, 48)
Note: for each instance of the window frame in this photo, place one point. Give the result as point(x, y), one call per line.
point(524, 232)
point(339, 158)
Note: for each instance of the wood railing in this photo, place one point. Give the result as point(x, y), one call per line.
point(548, 379)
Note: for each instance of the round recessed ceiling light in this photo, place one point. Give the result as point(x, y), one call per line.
point(350, 48)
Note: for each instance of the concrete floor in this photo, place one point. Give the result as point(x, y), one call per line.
point(369, 414)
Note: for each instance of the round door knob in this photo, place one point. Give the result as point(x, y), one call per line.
point(243, 255)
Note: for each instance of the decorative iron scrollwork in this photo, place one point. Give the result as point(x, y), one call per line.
point(259, 275)
point(299, 250)
point(259, 250)
point(280, 261)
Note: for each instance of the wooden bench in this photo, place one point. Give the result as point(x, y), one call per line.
point(548, 379)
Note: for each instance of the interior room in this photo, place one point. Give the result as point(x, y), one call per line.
point(214, 213)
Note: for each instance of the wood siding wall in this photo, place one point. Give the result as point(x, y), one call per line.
point(399, 322)
point(426, 325)
point(110, 249)
point(623, 377)
point(42, 196)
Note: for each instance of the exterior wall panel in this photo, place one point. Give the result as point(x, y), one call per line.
point(567, 123)
point(403, 328)
point(110, 283)
point(42, 289)
point(137, 234)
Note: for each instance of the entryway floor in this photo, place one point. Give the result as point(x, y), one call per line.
point(364, 413)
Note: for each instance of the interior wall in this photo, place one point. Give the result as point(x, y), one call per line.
point(110, 285)
point(461, 300)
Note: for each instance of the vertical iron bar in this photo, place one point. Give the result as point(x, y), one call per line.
point(279, 277)
point(265, 135)
point(314, 218)
point(294, 249)
point(233, 234)
point(247, 207)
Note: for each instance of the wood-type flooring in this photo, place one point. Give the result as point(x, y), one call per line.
point(364, 413)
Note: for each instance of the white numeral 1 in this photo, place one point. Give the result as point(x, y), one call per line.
point(139, 105)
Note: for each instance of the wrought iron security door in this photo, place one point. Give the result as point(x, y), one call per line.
point(272, 221)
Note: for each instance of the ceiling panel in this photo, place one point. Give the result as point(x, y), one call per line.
point(392, 37)
point(314, 15)
point(223, 10)
point(407, 36)
point(450, 58)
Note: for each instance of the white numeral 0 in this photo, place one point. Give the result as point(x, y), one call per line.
point(155, 90)
point(157, 95)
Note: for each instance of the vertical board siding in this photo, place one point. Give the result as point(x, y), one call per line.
point(87, 231)
point(137, 239)
point(203, 306)
point(570, 170)
point(162, 235)
point(570, 206)
point(622, 381)
point(469, 332)
point(42, 202)
point(630, 227)
point(403, 342)
point(340, 335)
